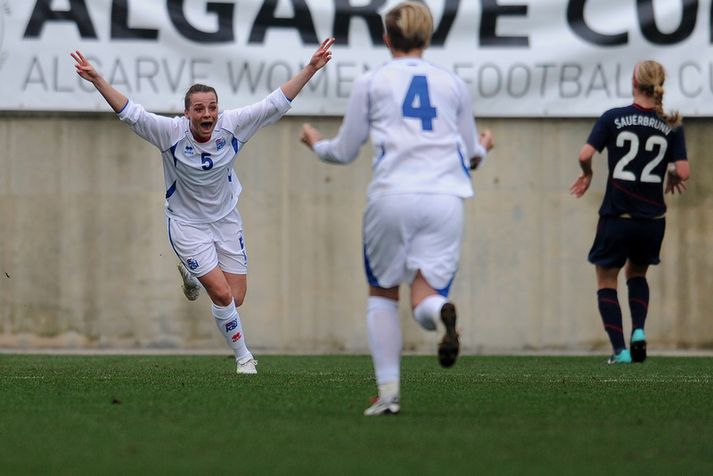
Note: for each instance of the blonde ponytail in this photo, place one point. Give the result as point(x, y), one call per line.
point(649, 77)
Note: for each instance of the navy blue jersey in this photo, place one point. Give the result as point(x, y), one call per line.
point(640, 146)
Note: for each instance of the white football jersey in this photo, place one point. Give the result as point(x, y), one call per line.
point(422, 129)
point(201, 185)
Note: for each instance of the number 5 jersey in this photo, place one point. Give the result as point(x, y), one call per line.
point(201, 185)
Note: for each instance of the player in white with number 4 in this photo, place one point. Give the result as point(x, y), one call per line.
point(198, 151)
point(425, 143)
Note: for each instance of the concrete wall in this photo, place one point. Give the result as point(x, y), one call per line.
point(85, 262)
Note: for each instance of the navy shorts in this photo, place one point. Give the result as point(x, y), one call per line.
point(621, 239)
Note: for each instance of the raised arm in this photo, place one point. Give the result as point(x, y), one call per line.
point(320, 58)
point(84, 68)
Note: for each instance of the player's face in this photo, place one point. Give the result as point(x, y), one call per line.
point(202, 114)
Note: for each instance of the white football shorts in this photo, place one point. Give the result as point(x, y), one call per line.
point(405, 233)
point(202, 247)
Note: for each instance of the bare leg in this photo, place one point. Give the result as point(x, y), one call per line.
point(217, 287)
point(239, 286)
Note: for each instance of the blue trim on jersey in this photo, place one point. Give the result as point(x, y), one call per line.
point(235, 144)
point(368, 101)
point(173, 153)
point(123, 107)
point(369, 273)
point(465, 166)
point(444, 291)
point(242, 248)
point(380, 157)
point(170, 239)
point(171, 190)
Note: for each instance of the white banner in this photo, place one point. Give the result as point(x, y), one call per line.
point(520, 58)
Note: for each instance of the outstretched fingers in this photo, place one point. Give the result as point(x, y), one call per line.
point(327, 43)
point(679, 187)
point(83, 67)
point(323, 54)
point(577, 190)
point(580, 186)
point(574, 189)
point(79, 57)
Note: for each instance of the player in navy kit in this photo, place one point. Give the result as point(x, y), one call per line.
point(420, 121)
point(198, 150)
point(646, 147)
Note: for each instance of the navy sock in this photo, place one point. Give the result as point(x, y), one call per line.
point(611, 317)
point(638, 301)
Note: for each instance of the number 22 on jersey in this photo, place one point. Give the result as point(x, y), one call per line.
point(647, 174)
point(417, 103)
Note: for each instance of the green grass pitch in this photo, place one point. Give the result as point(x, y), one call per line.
point(301, 415)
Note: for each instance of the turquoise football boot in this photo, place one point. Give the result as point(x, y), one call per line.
point(638, 345)
point(623, 357)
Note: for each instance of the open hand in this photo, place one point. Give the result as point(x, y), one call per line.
point(84, 68)
point(322, 56)
point(580, 185)
point(674, 184)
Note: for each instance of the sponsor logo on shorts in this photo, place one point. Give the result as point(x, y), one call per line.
point(231, 325)
point(236, 337)
point(219, 143)
point(192, 263)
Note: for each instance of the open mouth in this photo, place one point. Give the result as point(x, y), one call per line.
point(206, 125)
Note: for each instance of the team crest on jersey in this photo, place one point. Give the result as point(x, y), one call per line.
point(188, 151)
point(192, 263)
point(219, 143)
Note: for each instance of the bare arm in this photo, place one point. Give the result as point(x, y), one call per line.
point(84, 68)
point(320, 58)
point(581, 185)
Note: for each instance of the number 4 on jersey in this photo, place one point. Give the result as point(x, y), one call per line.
point(417, 103)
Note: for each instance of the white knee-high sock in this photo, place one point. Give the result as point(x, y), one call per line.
point(384, 329)
point(228, 321)
point(428, 311)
